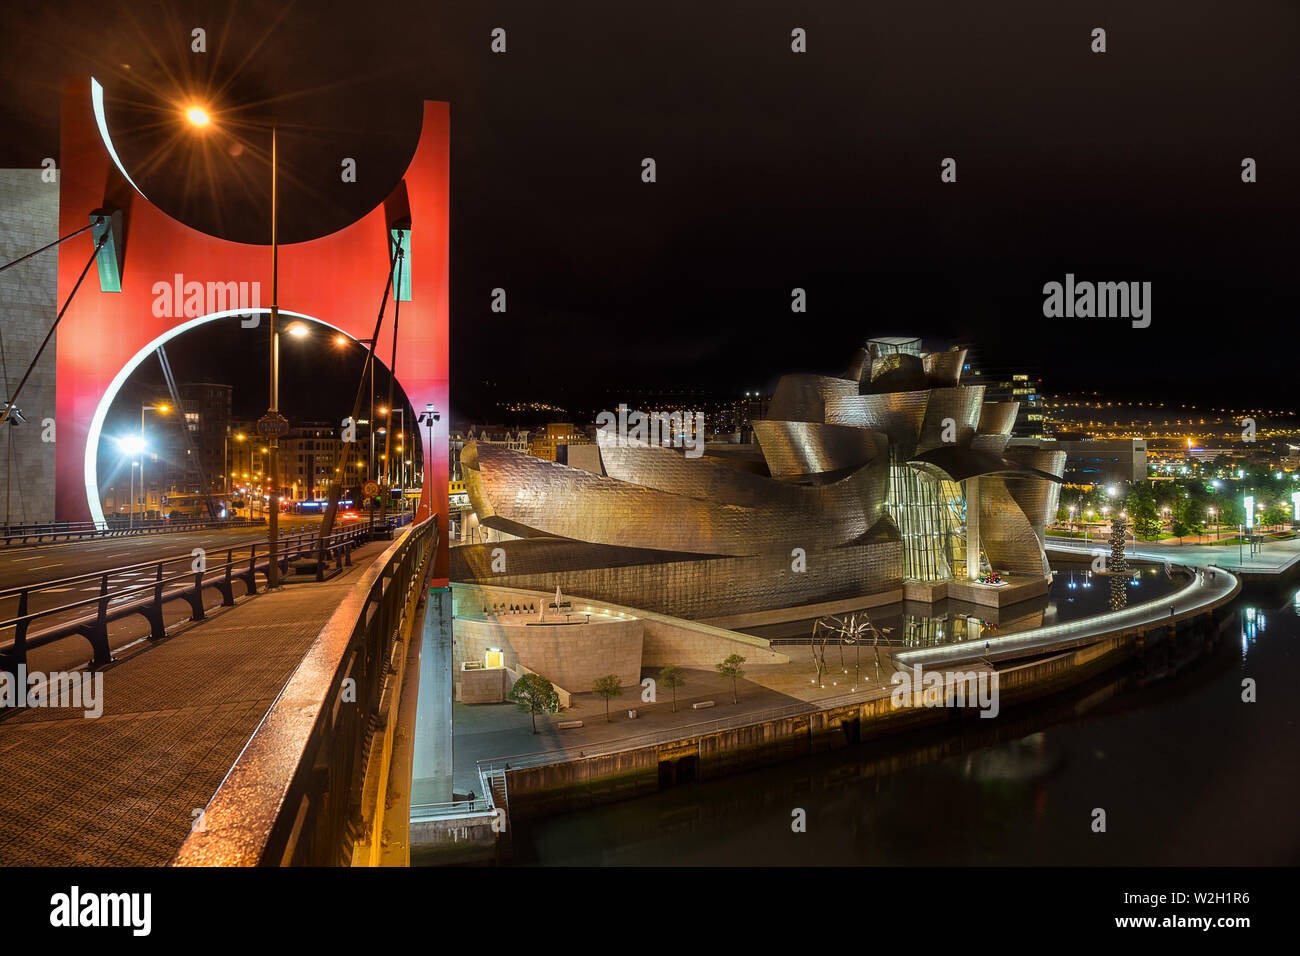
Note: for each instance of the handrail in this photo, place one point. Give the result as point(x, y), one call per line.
point(455, 808)
point(1083, 628)
point(67, 530)
point(294, 794)
point(165, 587)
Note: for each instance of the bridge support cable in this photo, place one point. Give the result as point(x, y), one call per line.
point(72, 235)
point(388, 427)
point(336, 486)
point(12, 400)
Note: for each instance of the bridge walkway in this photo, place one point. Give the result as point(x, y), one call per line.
point(122, 789)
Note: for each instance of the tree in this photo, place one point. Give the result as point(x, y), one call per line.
point(1142, 511)
point(1278, 514)
point(730, 668)
point(670, 676)
point(607, 687)
point(535, 694)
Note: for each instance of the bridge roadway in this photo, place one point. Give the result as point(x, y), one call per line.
point(122, 789)
point(34, 564)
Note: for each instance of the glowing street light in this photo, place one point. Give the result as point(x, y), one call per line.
point(199, 117)
point(133, 446)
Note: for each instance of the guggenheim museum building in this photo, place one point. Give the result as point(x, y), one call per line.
point(893, 480)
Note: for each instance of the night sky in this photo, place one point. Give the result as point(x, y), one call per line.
point(775, 170)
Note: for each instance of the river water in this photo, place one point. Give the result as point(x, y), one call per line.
point(1186, 772)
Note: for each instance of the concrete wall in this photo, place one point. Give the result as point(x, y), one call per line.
point(486, 686)
point(570, 655)
point(665, 640)
point(29, 214)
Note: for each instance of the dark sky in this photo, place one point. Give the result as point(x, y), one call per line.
point(775, 170)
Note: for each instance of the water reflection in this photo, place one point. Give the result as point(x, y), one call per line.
point(1071, 595)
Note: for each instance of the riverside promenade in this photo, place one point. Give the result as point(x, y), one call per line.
point(1275, 560)
point(785, 711)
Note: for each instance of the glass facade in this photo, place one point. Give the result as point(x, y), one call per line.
point(930, 514)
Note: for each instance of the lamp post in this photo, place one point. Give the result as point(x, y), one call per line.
point(225, 454)
point(428, 418)
point(161, 410)
point(132, 445)
point(272, 423)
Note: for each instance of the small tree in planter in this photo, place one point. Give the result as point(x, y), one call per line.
point(535, 694)
point(731, 669)
point(670, 676)
point(607, 687)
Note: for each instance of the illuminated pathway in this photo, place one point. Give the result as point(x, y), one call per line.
point(1275, 557)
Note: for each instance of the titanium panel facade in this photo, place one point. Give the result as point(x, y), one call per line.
point(797, 449)
point(802, 398)
point(898, 414)
point(943, 369)
point(719, 511)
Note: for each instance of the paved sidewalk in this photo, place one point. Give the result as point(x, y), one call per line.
point(1274, 557)
point(122, 790)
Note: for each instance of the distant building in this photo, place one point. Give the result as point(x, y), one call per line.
point(312, 455)
point(551, 443)
point(1008, 385)
point(516, 439)
point(1098, 461)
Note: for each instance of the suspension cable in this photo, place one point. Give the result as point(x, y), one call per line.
point(98, 221)
point(12, 401)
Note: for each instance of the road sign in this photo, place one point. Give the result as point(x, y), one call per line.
point(371, 488)
point(272, 425)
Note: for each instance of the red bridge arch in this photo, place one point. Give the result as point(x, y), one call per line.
point(335, 279)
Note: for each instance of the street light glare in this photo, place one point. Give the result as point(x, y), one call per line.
point(298, 330)
point(131, 444)
point(198, 116)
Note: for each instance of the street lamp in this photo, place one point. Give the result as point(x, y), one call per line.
point(161, 410)
point(199, 117)
point(133, 445)
point(225, 456)
point(428, 418)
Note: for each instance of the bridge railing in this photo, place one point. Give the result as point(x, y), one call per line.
point(295, 793)
point(68, 530)
point(184, 577)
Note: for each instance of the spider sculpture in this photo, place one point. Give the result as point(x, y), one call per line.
point(855, 629)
